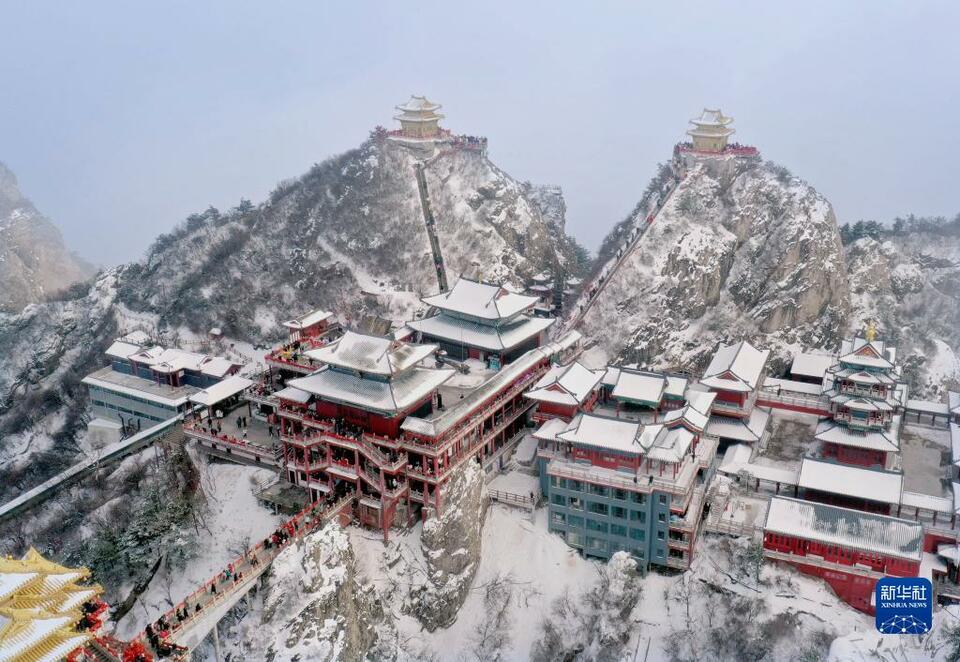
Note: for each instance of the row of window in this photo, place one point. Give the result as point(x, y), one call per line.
point(619, 530)
point(124, 410)
point(601, 490)
point(133, 398)
point(590, 544)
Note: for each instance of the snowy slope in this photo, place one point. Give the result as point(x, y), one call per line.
point(348, 236)
point(741, 249)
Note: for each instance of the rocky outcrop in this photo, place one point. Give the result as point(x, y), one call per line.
point(316, 607)
point(741, 249)
point(34, 262)
point(909, 283)
point(451, 549)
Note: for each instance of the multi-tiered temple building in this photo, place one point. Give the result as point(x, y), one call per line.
point(482, 321)
point(419, 119)
point(711, 130)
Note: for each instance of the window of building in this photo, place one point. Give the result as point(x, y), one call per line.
point(638, 534)
point(559, 518)
point(595, 525)
point(660, 535)
point(638, 497)
point(573, 520)
point(620, 494)
point(559, 499)
point(663, 499)
point(576, 503)
point(574, 485)
point(618, 512)
point(662, 518)
point(638, 516)
point(639, 553)
point(599, 490)
point(599, 508)
point(618, 530)
point(574, 538)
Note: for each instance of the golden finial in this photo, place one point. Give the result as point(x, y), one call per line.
point(871, 331)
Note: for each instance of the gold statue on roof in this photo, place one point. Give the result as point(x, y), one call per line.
point(870, 333)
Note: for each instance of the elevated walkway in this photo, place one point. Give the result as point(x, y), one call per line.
point(169, 429)
point(250, 566)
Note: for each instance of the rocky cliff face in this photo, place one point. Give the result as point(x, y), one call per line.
point(316, 607)
point(741, 249)
point(34, 262)
point(349, 236)
point(910, 284)
point(451, 549)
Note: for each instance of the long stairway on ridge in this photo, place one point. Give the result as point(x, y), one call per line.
point(431, 226)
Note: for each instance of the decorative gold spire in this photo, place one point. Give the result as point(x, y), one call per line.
point(870, 333)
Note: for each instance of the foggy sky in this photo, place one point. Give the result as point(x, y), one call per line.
point(121, 118)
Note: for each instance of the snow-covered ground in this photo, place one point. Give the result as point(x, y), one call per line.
point(234, 521)
point(538, 566)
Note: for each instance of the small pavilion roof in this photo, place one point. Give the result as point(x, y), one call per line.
point(566, 385)
point(845, 527)
point(736, 367)
point(640, 386)
point(657, 442)
point(418, 109)
point(371, 354)
point(482, 301)
point(711, 117)
point(811, 364)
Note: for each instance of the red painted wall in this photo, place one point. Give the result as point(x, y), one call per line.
point(860, 457)
point(608, 461)
point(855, 590)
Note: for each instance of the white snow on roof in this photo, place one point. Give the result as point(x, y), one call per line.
point(26, 634)
point(14, 581)
point(372, 354)
point(846, 527)
point(712, 117)
point(173, 359)
point(676, 386)
point(639, 386)
point(790, 386)
point(136, 337)
point(551, 428)
point(939, 504)
point(294, 395)
point(739, 429)
point(953, 402)
point(603, 432)
point(481, 300)
point(857, 482)
point(743, 362)
point(221, 390)
point(396, 394)
point(811, 364)
point(440, 422)
point(928, 407)
point(877, 440)
point(308, 320)
point(566, 385)
point(122, 350)
point(483, 336)
point(111, 380)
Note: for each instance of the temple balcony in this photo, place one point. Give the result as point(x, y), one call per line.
point(859, 423)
